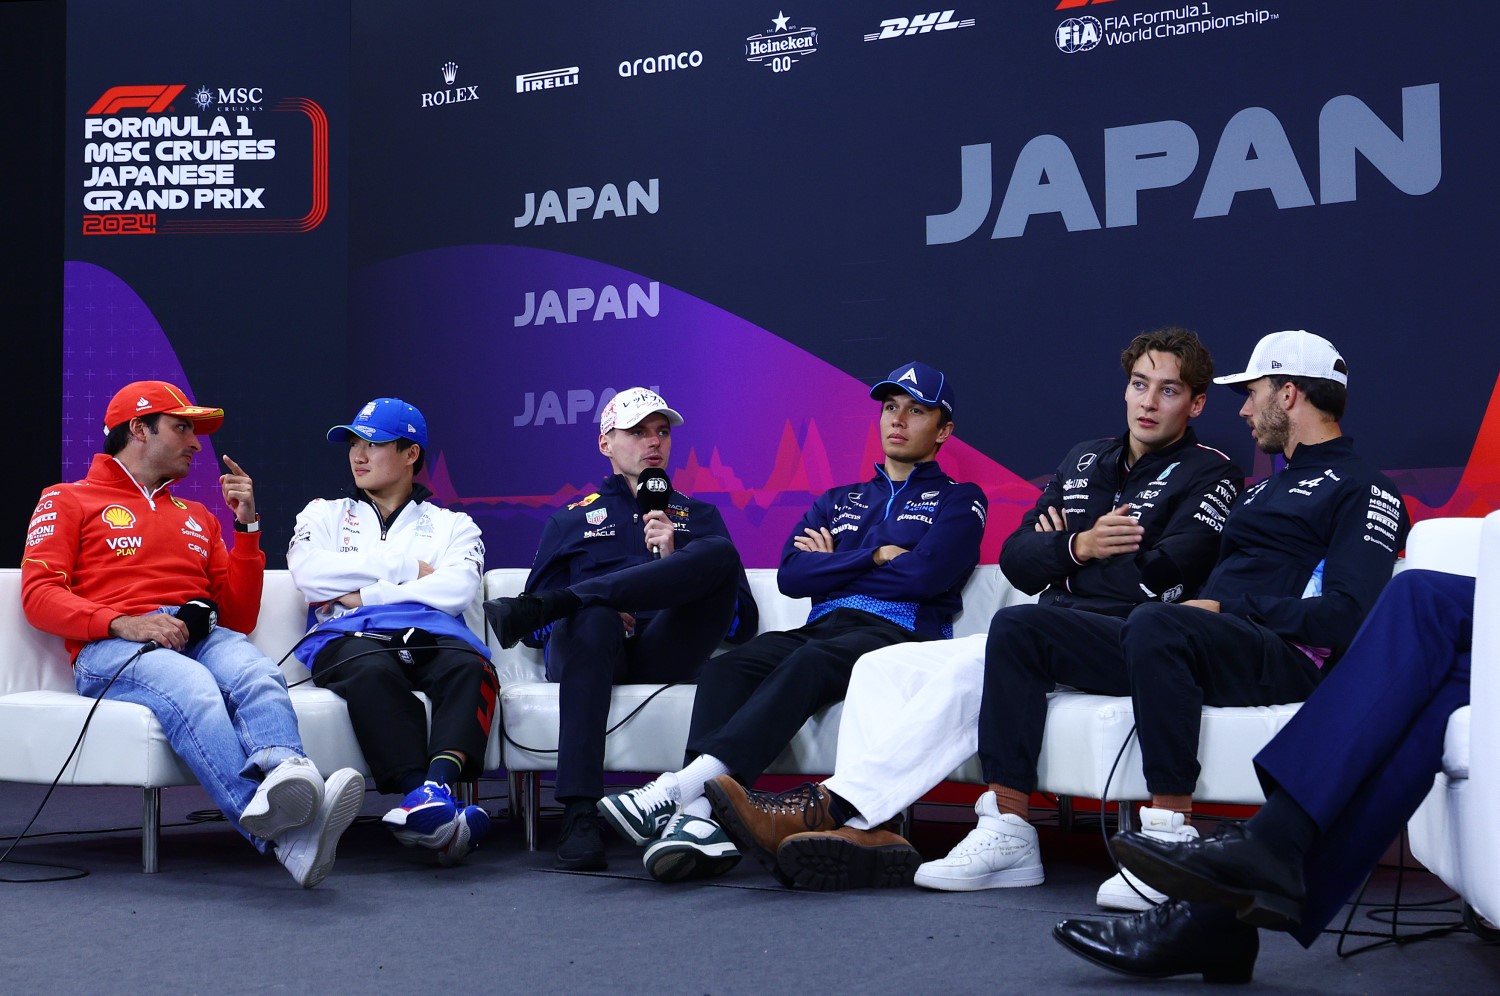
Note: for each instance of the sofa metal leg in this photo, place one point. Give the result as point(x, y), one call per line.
point(513, 806)
point(150, 829)
point(1065, 813)
point(1125, 821)
point(531, 793)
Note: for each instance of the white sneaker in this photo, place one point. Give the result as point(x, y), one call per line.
point(287, 798)
point(1000, 853)
point(1117, 893)
point(307, 852)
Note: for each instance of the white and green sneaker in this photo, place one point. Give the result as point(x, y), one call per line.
point(640, 815)
point(690, 847)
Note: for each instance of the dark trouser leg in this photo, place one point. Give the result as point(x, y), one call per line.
point(1031, 649)
point(1360, 756)
point(462, 687)
point(810, 677)
point(1181, 658)
point(585, 656)
point(726, 682)
point(704, 574)
point(389, 722)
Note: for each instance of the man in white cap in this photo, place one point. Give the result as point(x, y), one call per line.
point(616, 594)
point(154, 608)
point(387, 574)
point(1303, 558)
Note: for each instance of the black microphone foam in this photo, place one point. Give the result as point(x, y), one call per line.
point(653, 490)
point(200, 616)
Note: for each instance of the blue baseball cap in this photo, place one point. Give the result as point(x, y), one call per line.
point(383, 420)
point(926, 384)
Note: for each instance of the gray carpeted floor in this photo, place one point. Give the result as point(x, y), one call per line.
point(218, 918)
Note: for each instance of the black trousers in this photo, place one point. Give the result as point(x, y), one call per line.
point(753, 700)
point(1171, 659)
point(692, 593)
point(391, 724)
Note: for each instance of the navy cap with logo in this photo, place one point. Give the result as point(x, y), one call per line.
point(926, 384)
point(383, 420)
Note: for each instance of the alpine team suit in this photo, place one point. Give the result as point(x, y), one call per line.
point(752, 700)
point(684, 605)
point(346, 545)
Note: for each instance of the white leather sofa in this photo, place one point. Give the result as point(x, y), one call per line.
point(1456, 831)
point(1083, 738)
point(41, 715)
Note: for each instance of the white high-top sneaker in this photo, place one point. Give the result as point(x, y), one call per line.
point(1117, 894)
point(1000, 853)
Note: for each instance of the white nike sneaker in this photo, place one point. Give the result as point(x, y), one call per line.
point(1000, 853)
point(1117, 893)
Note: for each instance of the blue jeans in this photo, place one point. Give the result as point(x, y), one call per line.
point(222, 703)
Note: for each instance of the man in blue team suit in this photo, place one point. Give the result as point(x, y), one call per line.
point(1374, 730)
point(616, 595)
point(884, 562)
point(1303, 557)
point(387, 575)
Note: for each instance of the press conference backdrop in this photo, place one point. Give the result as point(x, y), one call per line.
point(503, 213)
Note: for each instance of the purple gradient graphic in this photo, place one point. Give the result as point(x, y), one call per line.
point(110, 338)
point(513, 408)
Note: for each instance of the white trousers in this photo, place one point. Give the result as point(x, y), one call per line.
point(911, 717)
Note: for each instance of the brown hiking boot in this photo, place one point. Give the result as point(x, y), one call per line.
point(847, 858)
point(759, 821)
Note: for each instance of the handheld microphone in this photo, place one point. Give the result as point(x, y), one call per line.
point(653, 492)
point(413, 645)
point(200, 616)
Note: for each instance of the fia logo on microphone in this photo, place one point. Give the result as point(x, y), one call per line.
point(657, 485)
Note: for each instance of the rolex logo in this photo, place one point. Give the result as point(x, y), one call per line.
point(450, 72)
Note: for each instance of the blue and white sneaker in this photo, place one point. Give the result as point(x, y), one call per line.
point(428, 817)
point(690, 847)
point(470, 827)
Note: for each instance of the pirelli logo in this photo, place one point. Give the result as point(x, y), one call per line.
point(151, 99)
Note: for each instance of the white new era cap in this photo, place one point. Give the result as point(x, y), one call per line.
point(1293, 353)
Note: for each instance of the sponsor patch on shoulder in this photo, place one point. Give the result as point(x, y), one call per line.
point(586, 501)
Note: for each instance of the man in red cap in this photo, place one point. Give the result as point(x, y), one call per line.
point(136, 580)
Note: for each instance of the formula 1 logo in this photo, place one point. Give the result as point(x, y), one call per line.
point(153, 99)
point(1069, 4)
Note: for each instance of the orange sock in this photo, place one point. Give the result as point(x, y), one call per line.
point(1012, 801)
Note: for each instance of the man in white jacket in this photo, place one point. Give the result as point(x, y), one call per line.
point(387, 576)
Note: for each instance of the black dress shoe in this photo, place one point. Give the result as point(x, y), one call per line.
point(1232, 868)
point(514, 618)
point(1173, 939)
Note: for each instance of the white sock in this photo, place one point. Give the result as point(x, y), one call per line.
point(690, 780)
point(700, 808)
